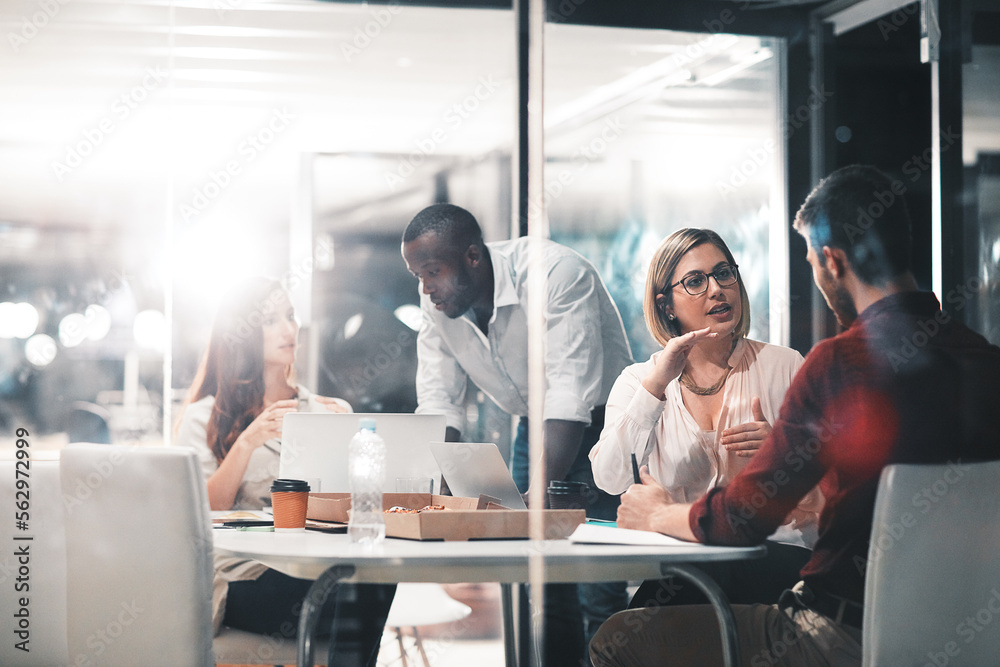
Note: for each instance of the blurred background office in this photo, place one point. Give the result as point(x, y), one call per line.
point(153, 153)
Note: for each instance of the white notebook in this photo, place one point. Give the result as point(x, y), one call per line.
point(587, 533)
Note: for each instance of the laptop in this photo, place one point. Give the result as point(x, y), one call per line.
point(314, 447)
point(475, 468)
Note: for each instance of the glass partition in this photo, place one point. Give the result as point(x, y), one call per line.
point(155, 156)
point(981, 156)
point(674, 130)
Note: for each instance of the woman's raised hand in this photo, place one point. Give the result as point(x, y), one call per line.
point(267, 425)
point(333, 404)
point(670, 363)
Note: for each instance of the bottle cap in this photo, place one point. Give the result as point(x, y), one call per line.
point(366, 423)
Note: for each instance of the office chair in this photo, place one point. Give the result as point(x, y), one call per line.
point(932, 593)
point(88, 422)
point(139, 562)
point(417, 604)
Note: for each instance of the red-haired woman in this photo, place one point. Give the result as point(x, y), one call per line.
point(244, 387)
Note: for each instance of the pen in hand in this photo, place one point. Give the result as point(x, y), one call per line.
point(635, 470)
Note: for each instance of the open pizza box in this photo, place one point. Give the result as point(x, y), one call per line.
point(461, 519)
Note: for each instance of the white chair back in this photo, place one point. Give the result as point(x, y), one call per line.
point(139, 556)
point(932, 593)
point(38, 576)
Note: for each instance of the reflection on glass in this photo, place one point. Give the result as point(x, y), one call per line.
point(199, 121)
point(676, 130)
point(981, 155)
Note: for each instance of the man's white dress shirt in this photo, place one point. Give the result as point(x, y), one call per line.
point(586, 347)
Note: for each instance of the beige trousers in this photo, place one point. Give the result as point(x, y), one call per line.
point(689, 636)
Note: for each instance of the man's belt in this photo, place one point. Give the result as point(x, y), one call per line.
point(836, 608)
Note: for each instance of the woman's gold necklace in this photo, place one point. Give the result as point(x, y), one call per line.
point(704, 391)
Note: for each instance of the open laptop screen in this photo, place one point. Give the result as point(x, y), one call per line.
point(314, 447)
point(475, 468)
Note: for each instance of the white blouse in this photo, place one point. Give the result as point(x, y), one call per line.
point(254, 491)
point(686, 459)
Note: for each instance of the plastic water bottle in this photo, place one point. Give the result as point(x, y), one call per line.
point(366, 469)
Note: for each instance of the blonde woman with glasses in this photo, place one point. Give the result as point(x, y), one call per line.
point(697, 410)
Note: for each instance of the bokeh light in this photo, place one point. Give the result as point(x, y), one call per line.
point(150, 329)
point(40, 350)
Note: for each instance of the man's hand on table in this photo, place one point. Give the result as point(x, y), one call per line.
point(648, 506)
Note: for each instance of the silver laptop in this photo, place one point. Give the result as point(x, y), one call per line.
point(475, 468)
point(314, 447)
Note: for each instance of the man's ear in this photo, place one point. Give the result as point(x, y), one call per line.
point(473, 254)
point(835, 261)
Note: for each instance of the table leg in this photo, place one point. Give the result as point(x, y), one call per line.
point(507, 606)
point(727, 622)
point(311, 606)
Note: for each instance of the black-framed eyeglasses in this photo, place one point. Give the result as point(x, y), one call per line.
point(697, 283)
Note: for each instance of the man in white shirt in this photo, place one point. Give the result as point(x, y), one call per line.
point(473, 298)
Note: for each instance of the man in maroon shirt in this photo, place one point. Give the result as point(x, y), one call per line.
point(905, 383)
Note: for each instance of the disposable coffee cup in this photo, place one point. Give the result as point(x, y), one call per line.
point(289, 500)
point(566, 495)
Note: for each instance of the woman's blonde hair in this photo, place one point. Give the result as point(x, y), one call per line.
point(661, 274)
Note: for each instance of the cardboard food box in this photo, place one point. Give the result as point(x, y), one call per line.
point(462, 519)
